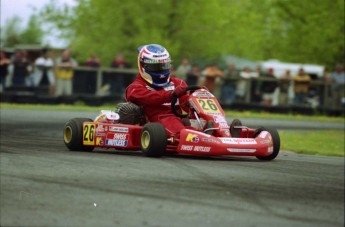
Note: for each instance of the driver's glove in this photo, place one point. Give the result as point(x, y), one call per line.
point(180, 91)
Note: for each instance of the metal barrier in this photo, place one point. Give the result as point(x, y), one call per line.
point(102, 81)
point(110, 82)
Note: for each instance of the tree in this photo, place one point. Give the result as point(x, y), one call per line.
point(290, 30)
point(33, 34)
point(14, 34)
point(11, 32)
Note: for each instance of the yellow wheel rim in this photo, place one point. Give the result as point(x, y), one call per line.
point(67, 135)
point(145, 140)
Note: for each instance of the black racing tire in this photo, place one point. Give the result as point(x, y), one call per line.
point(235, 132)
point(153, 140)
point(73, 135)
point(275, 139)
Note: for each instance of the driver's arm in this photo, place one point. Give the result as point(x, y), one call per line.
point(140, 95)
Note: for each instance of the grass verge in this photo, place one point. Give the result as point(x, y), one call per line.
point(326, 142)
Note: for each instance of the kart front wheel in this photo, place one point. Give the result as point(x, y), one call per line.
point(73, 135)
point(275, 140)
point(153, 140)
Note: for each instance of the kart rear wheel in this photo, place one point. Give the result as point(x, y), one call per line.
point(153, 140)
point(73, 135)
point(275, 140)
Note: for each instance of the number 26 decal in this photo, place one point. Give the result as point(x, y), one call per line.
point(208, 105)
point(88, 134)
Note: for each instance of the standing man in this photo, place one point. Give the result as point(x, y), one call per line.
point(64, 73)
point(43, 73)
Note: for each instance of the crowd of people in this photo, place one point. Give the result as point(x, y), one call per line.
point(54, 74)
point(265, 87)
point(229, 85)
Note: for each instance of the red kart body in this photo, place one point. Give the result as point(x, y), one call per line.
point(220, 139)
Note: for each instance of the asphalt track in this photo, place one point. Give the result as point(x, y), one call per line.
point(44, 184)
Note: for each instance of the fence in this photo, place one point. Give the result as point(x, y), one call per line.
point(99, 85)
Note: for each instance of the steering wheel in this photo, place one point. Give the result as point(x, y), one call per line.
point(191, 88)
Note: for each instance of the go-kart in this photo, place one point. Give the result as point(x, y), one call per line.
point(207, 131)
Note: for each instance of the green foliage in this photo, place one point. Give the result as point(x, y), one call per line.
point(33, 34)
point(10, 33)
point(14, 34)
point(289, 30)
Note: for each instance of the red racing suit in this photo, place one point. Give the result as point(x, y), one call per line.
point(156, 103)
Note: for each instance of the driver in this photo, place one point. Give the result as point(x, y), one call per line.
point(154, 88)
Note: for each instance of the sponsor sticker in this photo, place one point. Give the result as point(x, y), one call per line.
point(170, 88)
point(238, 141)
point(247, 141)
point(117, 129)
point(202, 149)
point(100, 128)
point(202, 93)
point(120, 136)
point(219, 119)
point(195, 148)
point(192, 138)
point(270, 149)
point(186, 147)
point(99, 141)
point(209, 140)
point(120, 143)
point(228, 140)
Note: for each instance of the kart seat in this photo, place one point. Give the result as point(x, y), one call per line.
point(130, 113)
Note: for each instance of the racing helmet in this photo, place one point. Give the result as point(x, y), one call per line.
point(154, 64)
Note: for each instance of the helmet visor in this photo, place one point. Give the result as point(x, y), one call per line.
point(157, 67)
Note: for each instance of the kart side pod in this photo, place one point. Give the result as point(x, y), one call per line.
point(198, 143)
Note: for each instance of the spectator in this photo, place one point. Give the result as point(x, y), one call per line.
point(183, 69)
point(120, 62)
point(255, 89)
point(88, 84)
point(93, 61)
point(242, 85)
point(116, 80)
point(4, 63)
point(193, 75)
point(285, 84)
point(338, 77)
point(228, 92)
point(268, 88)
point(301, 87)
point(21, 68)
point(324, 90)
point(211, 75)
point(64, 73)
point(43, 74)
